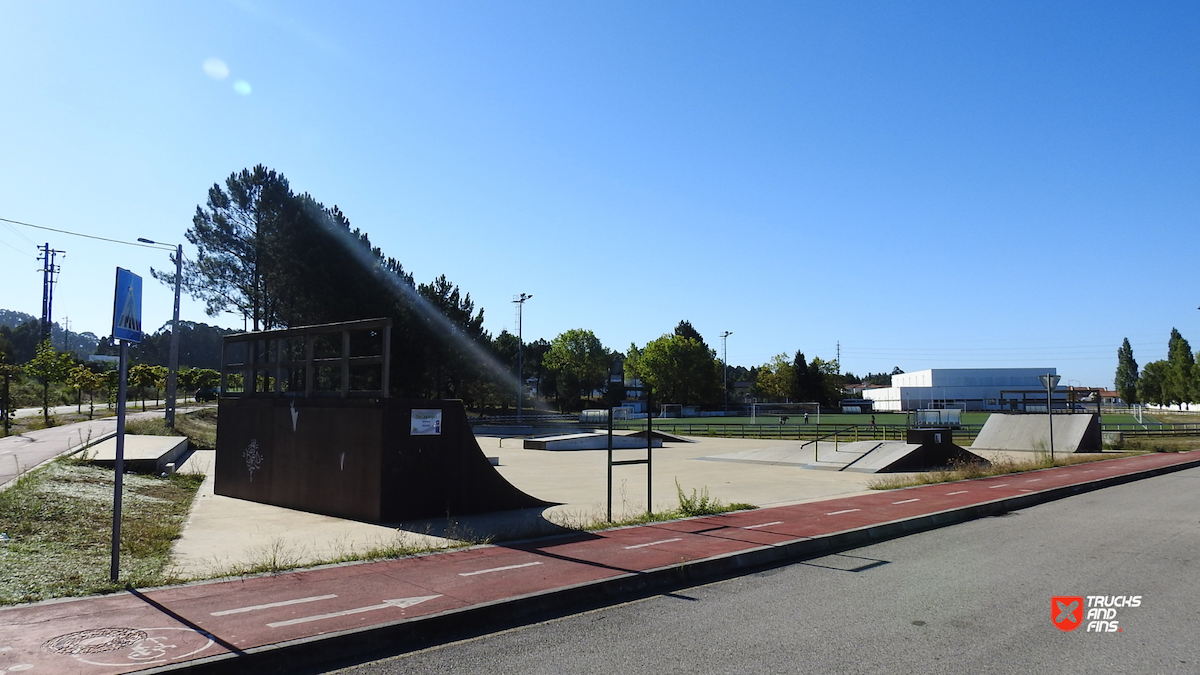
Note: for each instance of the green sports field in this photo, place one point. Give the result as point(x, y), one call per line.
point(968, 418)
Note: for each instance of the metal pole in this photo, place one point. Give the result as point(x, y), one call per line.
point(173, 362)
point(725, 366)
point(649, 456)
point(119, 467)
point(1050, 413)
point(610, 464)
point(520, 300)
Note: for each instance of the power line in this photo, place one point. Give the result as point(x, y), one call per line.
point(27, 255)
point(80, 234)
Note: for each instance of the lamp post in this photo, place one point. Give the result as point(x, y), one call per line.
point(725, 366)
point(1050, 382)
point(173, 361)
point(520, 301)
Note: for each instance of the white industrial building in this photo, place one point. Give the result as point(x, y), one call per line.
point(967, 389)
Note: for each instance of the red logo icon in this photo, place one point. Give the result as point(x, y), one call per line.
point(1066, 611)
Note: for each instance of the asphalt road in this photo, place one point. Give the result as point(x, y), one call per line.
point(972, 598)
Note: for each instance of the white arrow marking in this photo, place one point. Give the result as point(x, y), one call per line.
point(498, 569)
point(905, 501)
point(400, 603)
point(653, 543)
point(957, 493)
point(838, 513)
point(775, 522)
point(284, 603)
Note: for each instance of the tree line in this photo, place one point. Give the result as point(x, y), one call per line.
point(1173, 381)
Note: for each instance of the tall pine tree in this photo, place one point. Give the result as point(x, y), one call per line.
point(1180, 385)
point(1127, 374)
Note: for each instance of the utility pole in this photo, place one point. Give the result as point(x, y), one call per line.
point(173, 359)
point(49, 269)
point(725, 366)
point(520, 302)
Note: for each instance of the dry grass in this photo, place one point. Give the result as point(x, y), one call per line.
point(979, 470)
point(59, 519)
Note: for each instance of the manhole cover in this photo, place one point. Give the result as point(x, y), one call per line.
point(94, 641)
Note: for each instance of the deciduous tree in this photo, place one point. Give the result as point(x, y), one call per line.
point(579, 362)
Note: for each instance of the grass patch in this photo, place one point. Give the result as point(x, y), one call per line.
point(967, 471)
point(59, 519)
point(200, 427)
point(1160, 444)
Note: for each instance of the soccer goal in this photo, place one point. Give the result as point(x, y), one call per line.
point(670, 410)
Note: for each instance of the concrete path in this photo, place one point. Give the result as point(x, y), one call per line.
point(24, 452)
point(278, 623)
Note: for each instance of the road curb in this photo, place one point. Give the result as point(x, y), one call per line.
point(346, 647)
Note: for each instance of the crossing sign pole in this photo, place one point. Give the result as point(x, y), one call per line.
point(127, 327)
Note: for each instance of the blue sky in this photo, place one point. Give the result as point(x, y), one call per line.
point(929, 184)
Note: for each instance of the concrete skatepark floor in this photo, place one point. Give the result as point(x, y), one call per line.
point(224, 534)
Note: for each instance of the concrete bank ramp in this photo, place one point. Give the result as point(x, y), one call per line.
point(660, 435)
point(928, 449)
point(1031, 433)
point(142, 454)
point(588, 442)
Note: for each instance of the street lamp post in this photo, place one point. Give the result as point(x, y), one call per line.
point(173, 360)
point(1050, 382)
point(520, 300)
point(725, 366)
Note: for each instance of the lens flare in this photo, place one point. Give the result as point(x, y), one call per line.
point(242, 87)
point(216, 68)
point(428, 312)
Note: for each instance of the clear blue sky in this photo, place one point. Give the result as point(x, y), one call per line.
point(933, 184)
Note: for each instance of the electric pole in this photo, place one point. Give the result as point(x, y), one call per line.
point(49, 269)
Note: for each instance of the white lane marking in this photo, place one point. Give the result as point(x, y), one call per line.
point(957, 493)
point(1033, 480)
point(1024, 490)
point(401, 603)
point(269, 605)
point(653, 543)
point(905, 501)
point(993, 487)
point(838, 513)
point(498, 569)
point(774, 522)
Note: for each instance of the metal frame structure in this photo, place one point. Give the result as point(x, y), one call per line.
point(264, 352)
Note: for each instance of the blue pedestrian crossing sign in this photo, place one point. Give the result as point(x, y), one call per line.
point(127, 307)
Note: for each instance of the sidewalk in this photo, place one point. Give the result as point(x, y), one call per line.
point(283, 622)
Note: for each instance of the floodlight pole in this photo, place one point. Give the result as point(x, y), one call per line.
point(520, 301)
point(725, 366)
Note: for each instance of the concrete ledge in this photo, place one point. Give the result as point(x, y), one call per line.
point(347, 647)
